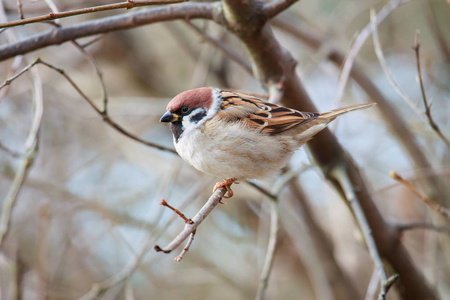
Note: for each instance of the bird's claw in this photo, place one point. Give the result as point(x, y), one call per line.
point(226, 183)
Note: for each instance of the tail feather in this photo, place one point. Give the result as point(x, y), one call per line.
point(331, 115)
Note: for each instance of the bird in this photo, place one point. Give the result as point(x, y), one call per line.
point(236, 136)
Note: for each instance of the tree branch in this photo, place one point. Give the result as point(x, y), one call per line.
point(59, 15)
point(274, 64)
point(189, 228)
point(60, 35)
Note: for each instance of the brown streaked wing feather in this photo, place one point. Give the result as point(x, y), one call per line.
point(264, 116)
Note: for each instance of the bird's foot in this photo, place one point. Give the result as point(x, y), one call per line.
point(226, 183)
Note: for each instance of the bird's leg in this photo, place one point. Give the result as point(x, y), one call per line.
point(226, 183)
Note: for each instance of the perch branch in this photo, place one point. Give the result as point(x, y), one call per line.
point(189, 228)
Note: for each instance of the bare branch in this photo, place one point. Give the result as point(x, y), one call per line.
point(201, 215)
point(359, 41)
point(368, 238)
point(109, 24)
point(271, 247)
point(432, 204)
point(58, 15)
point(427, 105)
point(421, 225)
point(231, 54)
point(30, 148)
point(384, 66)
point(20, 9)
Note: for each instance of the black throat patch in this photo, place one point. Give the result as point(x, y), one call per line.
point(177, 130)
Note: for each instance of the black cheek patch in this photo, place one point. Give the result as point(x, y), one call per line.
point(198, 116)
point(177, 130)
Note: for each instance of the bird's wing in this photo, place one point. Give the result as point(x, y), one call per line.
point(263, 116)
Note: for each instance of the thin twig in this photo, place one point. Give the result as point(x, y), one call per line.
point(359, 41)
point(271, 247)
point(367, 234)
point(20, 9)
point(387, 71)
point(31, 145)
point(105, 117)
point(427, 105)
point(282, 181)
point(186, 220)
point(230, 53)
point(186, 248)
point(189, 228)
point(9, 151)
point(122, 5)
point(432, 204)
point(421, 225)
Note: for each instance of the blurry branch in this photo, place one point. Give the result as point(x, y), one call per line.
point(281, 182)
point(102, 113)
point(98, 289)
point(228, 52)
point(324, 263)
point(431, 18)
point(14, 66)
point(9, 151)
point(189, 228)
point(385, 282)
point(427, 105)
point(90, 58)
point(20, 8)
point(31, 145)
point(434, 186)
point(58, 15)
point(421, 225)
point(432, 204)
point(384, 66)
point(109, 24)
point(358, 43)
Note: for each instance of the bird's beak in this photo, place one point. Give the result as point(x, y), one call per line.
point(169, 117)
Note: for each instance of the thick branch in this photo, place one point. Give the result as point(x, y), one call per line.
point(274, 65)
point(58, 36)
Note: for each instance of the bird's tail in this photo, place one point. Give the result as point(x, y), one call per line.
point(332, 114)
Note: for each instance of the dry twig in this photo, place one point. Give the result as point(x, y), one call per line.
point(427, 104)
point(189, 228)
point(31, 145)
point(432, 204)
point(58, 15)
point(358, 43)
point(421, 225)
point(384, 66)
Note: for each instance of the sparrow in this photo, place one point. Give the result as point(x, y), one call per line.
point(237, 136)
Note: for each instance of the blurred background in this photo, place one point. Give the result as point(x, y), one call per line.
point(90, 203)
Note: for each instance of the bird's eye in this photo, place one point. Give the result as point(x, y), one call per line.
point(184, 109)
